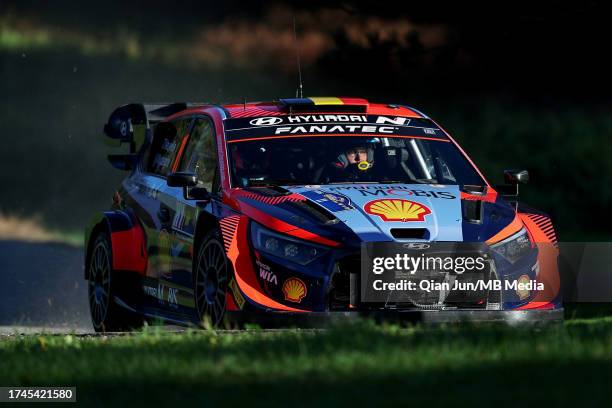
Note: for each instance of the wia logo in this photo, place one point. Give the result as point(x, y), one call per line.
point(266, 274)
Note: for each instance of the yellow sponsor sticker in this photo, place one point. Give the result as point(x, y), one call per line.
point(237, 295)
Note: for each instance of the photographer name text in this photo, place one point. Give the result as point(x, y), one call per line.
point(430, 285)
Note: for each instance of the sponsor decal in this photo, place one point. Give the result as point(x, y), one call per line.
point(238, 298)
point(340, 200)
point(331, 201)
point(156, 292)
point(326, 118)
point(183, 219)
point(522, 287)
point(421, 193)
point(123, 128)
point(294, 290)
point(162, 293)
point(147, 191)
point(322, 129)
point(266, 121)
point(265, 126)
point(387, 190)
point(397, 210)
point(266, 273)
point(172, 296)
point(416, 245)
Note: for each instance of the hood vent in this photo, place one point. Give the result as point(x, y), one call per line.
point(410, 233)
point(313, 210)
point(472, 211)
point(269, 191)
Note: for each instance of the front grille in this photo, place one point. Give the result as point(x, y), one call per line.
point(410, 233)
point(343, 295)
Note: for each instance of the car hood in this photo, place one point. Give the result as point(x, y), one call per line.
point(387, 212)
point(382, 212)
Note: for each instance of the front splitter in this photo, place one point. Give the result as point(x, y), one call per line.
point(321, 319)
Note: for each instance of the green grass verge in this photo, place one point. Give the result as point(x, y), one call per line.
point(360, 364)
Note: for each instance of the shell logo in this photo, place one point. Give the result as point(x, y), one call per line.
point(397, 210)
point(294, 290)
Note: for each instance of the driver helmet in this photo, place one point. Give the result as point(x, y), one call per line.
point(361, 156)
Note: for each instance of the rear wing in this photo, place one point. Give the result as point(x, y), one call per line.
point(133, 124)
point(125, 120)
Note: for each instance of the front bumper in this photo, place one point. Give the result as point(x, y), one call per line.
point(321, 319)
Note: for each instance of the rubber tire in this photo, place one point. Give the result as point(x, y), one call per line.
point(212, 308)
point(106, 315)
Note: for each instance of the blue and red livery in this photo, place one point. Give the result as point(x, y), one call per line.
point(260, 210)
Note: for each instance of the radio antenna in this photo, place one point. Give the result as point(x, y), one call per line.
point(299, 93)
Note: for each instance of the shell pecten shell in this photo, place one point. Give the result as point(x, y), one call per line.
point(397, 210)
point(294, 290)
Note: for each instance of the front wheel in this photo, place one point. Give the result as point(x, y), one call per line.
point(211, 271)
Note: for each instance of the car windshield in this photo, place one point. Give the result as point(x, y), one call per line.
point(348, 159)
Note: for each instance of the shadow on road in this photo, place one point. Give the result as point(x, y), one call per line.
point(41, 284)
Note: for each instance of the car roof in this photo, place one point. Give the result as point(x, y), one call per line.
point(311, 105)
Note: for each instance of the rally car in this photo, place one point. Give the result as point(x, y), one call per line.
point(262, 210)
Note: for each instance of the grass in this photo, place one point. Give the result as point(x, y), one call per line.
point(359, 364)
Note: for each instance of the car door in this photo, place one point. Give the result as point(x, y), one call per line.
point(160, 208)
point(199, 156)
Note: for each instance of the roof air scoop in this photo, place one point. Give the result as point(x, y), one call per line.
point(324, 104)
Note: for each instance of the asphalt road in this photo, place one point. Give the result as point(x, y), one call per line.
point(42, 288)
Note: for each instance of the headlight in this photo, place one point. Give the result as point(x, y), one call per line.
point(285, 247)
point(515, 247)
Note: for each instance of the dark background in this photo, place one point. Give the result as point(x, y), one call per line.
point(519, 85)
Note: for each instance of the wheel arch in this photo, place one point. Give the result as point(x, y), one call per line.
point(206, 223)
point(127, 240)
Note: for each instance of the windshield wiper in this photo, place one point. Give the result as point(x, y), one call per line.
point(263, 182)
point(426, 181)
point(381, 182)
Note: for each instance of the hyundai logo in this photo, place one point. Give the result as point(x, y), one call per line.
point(266, 121)
point(416, 245)
point(123, 128)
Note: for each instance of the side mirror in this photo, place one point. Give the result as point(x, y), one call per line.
point(124, 162)
point(516, 176)
point(188, 181)
point(182, 179)
point(512, 179)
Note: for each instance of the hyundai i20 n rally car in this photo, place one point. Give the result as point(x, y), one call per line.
point(263, 209)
